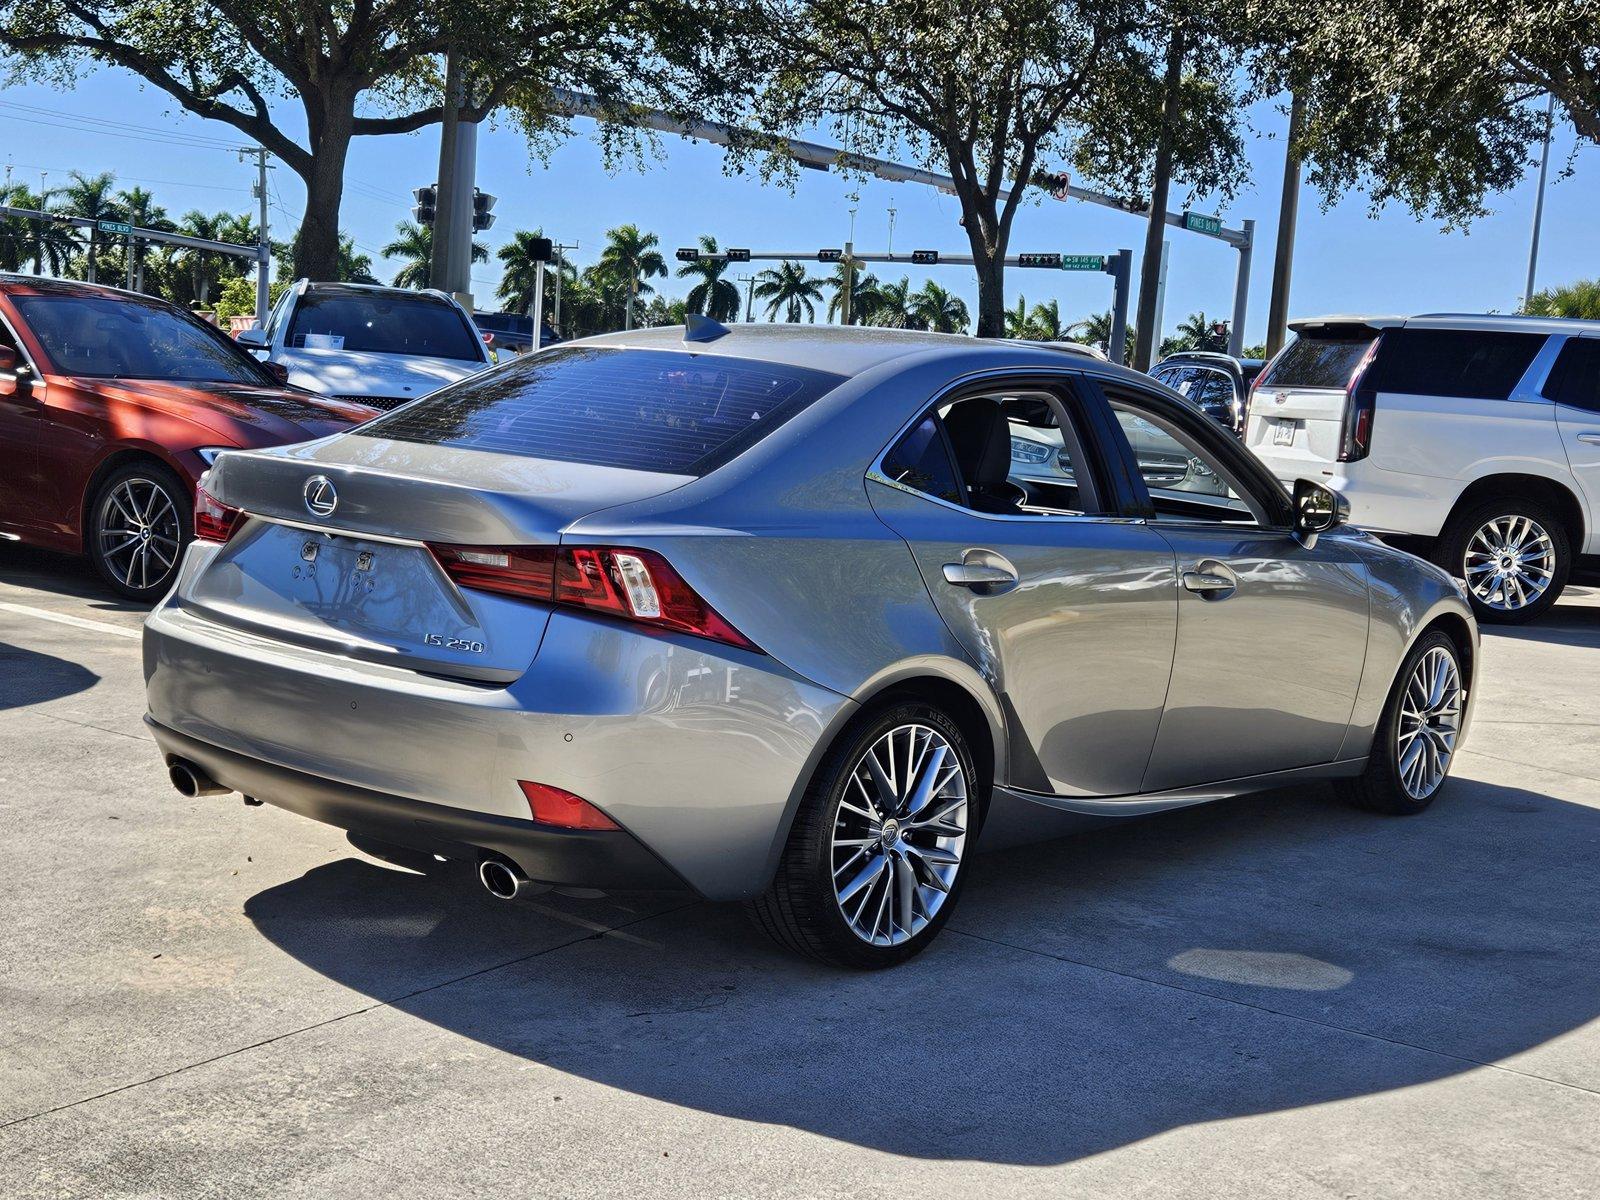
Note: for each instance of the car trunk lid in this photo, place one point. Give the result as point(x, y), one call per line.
point(1299, 404)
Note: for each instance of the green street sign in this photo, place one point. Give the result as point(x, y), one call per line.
point(113, 227)
point(1083, 262)
point(1200, 223)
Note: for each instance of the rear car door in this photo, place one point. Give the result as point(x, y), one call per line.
point(1271, 636)
point(1068, 610)
point(1574, 386)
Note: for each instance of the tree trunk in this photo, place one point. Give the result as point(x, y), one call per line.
point(991, 296)
point(316, 249)
point(1147, 335)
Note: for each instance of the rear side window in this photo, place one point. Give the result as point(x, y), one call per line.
point(645, 410)
point(1575, 379)
point(1465, 363)
point(1318, 362)
point(921, 460)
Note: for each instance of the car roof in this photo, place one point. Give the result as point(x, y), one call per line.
point(43, 285)
point(1484, 322)
point(330, 287)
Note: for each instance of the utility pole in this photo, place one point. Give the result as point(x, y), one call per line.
point(1150, 263)
point(561, 263)
point(848, 300)
point(1538, 204)
point(1161, 296)
point(750, 296)
point(263, 241)
point(1288, 214)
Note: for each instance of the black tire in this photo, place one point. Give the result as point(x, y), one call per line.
point(141, 571)
point(801, 909)
point(1454, 543)
point(1380, 787)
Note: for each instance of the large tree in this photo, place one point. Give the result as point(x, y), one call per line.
point(353, 69)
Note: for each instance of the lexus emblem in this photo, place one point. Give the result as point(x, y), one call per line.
point(320, 496)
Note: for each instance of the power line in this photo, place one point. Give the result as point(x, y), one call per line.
point(87, 124)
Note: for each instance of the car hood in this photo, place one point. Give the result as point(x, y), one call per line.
point(257, 415)
point(358, 373)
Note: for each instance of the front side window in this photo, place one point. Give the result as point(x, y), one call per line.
point(1464, 363)
point(100, 337)
point(644, 410)
point(1186, 481)
point(1575, 378)
point(382, 323)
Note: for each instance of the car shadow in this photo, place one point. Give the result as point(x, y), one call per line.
point(1252, 956)
point(1566, 624)
point(62, 575)
point(28, 677)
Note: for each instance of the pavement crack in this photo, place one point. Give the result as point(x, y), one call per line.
point(1278, 1012)
point(1517, 762)
point(388, 1002)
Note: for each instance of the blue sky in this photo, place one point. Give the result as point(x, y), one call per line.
point(1346, 261)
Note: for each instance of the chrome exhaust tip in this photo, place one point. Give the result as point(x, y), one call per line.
point(191, 781)
point(505, 881)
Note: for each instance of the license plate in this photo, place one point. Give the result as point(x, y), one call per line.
point(1283, 433)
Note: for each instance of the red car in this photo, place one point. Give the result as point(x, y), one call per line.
point(112, 404)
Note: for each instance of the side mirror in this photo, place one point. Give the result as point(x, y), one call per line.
point(13, 373)
point(1317, 510)
point(251, 339)
point(278, 371)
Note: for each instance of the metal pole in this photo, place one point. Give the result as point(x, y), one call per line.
point(847, 304)
point(1120, 267)
point(1241, 292)
point(537, 311)
point(561, 263)
point(263, 241)
point(1538, 204)
point(441, 270)
point(1288, 213)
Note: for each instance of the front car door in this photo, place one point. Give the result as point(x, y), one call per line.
point(19, 436)
point(1068, 609)
point(1271, 635)
point(1574, 385)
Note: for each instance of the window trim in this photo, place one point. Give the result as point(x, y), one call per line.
point(1091, 409)
point(1247, 470)
point(1549, 376)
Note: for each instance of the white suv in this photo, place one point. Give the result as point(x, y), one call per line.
point(1480, 434)
point(374, 345)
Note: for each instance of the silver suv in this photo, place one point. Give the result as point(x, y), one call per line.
point(1477, 436)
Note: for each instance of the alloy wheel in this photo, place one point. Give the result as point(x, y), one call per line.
point(1429, 723)
point(1509, 562)
point(899, 834)
point(139, 532)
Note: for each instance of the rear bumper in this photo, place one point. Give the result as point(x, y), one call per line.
point(700, 752)
point(613, 861)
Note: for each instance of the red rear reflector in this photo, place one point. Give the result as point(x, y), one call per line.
point(636, 585)
point(214, 521)
point(554, 806)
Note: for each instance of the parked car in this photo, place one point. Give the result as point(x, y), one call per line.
point(373, 345)
point(1478, 437)
point(1217, 384)
point(112, 404)
point(685, 609)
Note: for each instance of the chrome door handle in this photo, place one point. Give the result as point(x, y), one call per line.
point(976, 575)
point(1207, 583)
point(1589, 439)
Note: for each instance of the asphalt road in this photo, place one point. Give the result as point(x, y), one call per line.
point(1275, 996)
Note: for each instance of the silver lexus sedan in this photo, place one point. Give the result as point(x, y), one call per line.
point(762, 613)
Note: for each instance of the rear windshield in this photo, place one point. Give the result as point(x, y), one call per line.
point(382, 323)
point(1318, 362)
point(646, 410)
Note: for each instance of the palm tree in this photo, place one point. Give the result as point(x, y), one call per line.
point(716, 297)
point(34, 241)
point(631, 257)
point(1095, 330)
point(1045, 322)
point(787, 286)
point(522, 270)
point(353, 267)
point(894, 309)
point(1579, 299)
point(143, 211)
point(90, 196)
point(1017, 325)
point(413, 245)
point(863, 294)
point(1198, 332)
point(939, 310)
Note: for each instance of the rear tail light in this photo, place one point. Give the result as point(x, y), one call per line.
point(214, 521)
point(1361, 402)
point(555, 806)
point(635, 585)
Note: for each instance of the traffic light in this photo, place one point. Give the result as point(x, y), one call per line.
point(688, 254)
point(925, 258)
point(738, 256)
point(1039, 260)
point(427, 205)
point(829, 256)
point(482, 218)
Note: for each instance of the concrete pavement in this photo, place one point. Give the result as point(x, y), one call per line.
point(1275, 996)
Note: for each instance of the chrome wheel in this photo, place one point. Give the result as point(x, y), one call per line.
point(138, 533)
point(1429, 722)
point(899, 834)
point(1509, 562)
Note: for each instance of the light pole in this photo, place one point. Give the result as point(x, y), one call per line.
point(1538, 203)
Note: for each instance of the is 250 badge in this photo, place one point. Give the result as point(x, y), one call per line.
point(462, 645)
